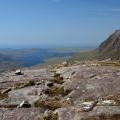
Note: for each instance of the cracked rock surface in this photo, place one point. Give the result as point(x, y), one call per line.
point(78, 92)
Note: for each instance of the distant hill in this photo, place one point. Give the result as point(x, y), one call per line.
point(110, 48)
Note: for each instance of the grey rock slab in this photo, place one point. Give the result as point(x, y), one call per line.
point(23, 114)
point(17, 96)
point(98, 113)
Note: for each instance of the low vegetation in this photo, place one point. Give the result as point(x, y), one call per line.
point(55, 91)
point(111, 63)
point(51, 104)
point(26, 84)
point(3, 96)
point(57, 79)
point(88, 55)
point(51, 116)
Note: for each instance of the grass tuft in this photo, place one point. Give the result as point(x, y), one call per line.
point(50, 104)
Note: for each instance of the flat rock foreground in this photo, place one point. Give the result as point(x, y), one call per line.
point(83, 91)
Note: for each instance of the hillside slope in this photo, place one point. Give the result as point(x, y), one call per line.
point(110, 48)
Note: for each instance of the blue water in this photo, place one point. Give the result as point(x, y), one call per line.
point(38, 57)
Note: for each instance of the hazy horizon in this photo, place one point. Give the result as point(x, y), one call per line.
point(57, 23)
point(49, 47)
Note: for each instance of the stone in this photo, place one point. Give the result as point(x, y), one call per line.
point(47, 113)
point(39, 94)
point(49, 84)
point(6, 91)
point(97, 77)
point(118, 73)
point(65, 64)
point(24, 104)
point(36, 86)
point(88, 106)
point(68, 99)
point(18, 72)
point(107, 102)
point(38, 83)
point(50, 115)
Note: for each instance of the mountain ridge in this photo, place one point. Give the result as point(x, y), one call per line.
point(110, 48)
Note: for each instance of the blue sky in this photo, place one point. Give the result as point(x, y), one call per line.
point(57, 23)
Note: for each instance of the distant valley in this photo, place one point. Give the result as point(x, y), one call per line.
point(11, 59)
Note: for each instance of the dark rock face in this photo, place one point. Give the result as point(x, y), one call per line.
point(111, 47)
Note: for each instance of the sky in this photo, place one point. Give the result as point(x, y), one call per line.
point(57, 23)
